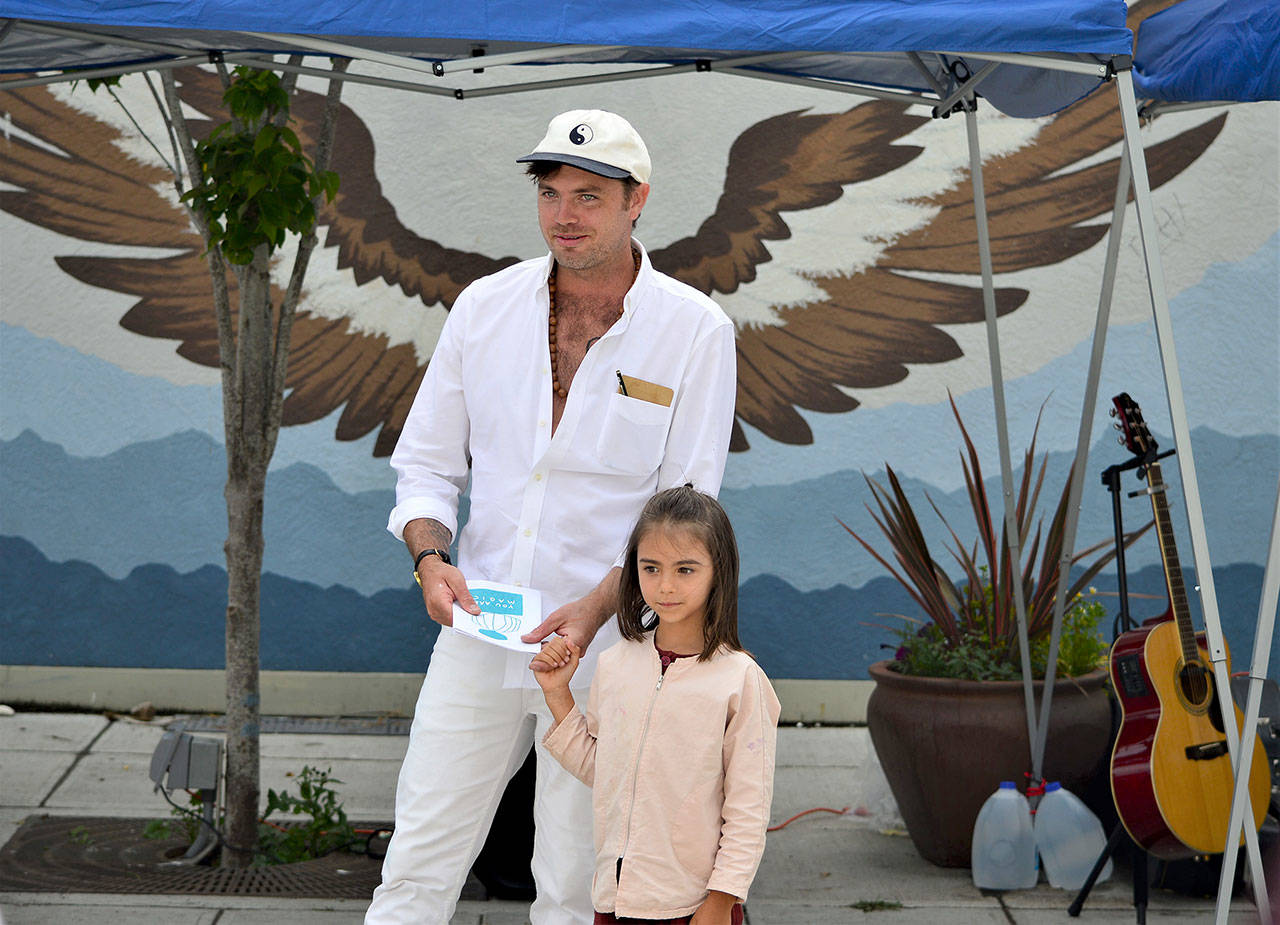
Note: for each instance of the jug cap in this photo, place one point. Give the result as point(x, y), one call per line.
point(1052, 786)
point(1008, 785)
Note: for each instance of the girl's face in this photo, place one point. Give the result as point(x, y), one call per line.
point(675, 577)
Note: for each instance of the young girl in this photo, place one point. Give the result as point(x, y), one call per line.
point(679, 734)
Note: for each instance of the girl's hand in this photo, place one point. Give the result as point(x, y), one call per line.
point(716, 909)
point(555, 664)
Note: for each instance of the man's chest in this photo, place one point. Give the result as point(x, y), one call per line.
point(508, 384)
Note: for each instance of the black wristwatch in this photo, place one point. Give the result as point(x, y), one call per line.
point(442, 553)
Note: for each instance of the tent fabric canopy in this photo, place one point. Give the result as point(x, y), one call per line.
point(852, 41)
point(1210, 50)
point(1092, 26)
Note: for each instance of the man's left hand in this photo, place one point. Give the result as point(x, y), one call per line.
point(577, 621)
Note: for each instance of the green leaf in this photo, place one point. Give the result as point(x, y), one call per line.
point(266, 139)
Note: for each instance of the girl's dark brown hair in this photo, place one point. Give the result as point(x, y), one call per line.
point(686, 508)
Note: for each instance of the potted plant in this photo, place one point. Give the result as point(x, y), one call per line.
point(948, 714)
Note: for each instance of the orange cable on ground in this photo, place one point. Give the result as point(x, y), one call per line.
point(816, 809)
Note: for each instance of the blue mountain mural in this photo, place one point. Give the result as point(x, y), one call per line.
point(791, 530)
point(72, 613)
point(161, 502)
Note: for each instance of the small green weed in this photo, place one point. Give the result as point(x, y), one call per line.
point(325, 830)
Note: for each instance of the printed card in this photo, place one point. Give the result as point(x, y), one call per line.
point(506, 614)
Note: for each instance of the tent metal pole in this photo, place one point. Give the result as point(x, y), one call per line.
point(519, 57)
point(434, 67)
point(349, 77)
point(324, 46)
point(1002, 418)
point(1072, 65)
point(1159, 108)
point(1186, 461)
point(121, 70)
point(856, 89)
point(106, 38)
point(1253, 706)
point(633, 74)
point(508, 89)
point(914, 58)
point(1076, 491)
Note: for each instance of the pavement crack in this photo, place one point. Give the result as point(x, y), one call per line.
point(1005, 909)
point(74, 764)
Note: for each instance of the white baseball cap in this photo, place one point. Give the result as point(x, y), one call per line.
point(594, 140)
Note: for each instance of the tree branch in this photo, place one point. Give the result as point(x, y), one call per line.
point(169, 131)
point(288, 83)
point(289, 304)
point(217, 266)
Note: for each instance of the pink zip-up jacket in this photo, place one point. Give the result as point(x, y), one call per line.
point(681, 771)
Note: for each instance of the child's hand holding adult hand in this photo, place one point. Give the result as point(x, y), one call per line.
point(556, 663)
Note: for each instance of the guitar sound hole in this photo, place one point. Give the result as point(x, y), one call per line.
point(1194, 683)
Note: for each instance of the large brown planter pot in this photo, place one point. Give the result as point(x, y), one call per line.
point(945, 745)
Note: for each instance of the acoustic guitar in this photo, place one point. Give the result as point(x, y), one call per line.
point(1170, 769)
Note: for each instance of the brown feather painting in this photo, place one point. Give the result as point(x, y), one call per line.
point(838, 235)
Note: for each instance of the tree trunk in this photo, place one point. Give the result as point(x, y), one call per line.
point(249, 448)
point(254, 359)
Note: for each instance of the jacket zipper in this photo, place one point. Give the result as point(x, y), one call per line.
point(635, 771)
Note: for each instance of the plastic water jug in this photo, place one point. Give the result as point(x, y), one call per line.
point(1004, 849)
point(1069, 838)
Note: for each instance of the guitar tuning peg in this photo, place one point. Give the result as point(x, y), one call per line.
point(1112, 412)
point(1120, 440)
point(1115, 425)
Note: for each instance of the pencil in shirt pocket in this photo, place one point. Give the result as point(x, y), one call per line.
point(645, 391)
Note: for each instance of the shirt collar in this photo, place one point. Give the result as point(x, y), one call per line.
point(630, 299)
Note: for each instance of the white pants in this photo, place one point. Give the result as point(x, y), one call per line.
point(469, 737)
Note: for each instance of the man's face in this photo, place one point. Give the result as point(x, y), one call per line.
point(586, 219)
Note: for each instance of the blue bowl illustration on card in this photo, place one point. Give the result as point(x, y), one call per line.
point(500, 613)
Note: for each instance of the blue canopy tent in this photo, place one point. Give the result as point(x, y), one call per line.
point(1026, 59)
point(1200, 51)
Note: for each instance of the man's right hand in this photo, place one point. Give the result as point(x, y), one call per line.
point(442, 585)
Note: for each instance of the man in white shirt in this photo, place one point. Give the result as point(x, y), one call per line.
point(568, 389)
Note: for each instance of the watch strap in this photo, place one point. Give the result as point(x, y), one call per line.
point(442, 553)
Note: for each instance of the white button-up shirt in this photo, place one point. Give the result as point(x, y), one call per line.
point(554, 512)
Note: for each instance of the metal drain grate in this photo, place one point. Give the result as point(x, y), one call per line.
point(78, 854)
point(315, 725)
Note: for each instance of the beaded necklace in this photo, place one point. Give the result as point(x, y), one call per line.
point(556, 387)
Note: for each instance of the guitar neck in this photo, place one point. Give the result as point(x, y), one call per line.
point(1172, 569)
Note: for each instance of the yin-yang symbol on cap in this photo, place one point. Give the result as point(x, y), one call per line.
point(580, 134)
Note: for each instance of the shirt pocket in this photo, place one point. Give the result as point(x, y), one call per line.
point(695, 836)
point(633, 434)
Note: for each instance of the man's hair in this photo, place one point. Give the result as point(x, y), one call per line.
point(701, 517)
point(540, 170)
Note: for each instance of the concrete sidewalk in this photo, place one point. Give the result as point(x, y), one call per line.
point(822, 869)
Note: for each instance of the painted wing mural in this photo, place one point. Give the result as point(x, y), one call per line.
point(863, 333)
